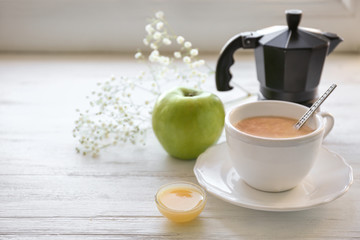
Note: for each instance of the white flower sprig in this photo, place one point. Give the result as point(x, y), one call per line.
point(159, 35)
point(120, 109)
point(114, 117)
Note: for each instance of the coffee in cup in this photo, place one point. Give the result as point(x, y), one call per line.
point(272, 127)
point(271, 163)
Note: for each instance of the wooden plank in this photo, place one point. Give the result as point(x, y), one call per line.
point(47, 191)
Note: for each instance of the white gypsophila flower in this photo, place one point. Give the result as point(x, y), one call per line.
point(187, 44)
point(157, 35)
point(159, 25)
point(166, 41)
point(164, 60)
point(187, 59)
point(153, 46)
point(146, 42)
point(155, 53)
point(149, 29)
point(159, 14)
point(201, 62)
point(138, 55)
point(194, 52)
point(152, 58)
point(180, 40)
point(197, 64)
point(177, 54)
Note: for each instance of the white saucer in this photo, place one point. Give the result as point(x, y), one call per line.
point(329, 179)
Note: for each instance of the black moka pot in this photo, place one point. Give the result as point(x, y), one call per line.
point(289, 59)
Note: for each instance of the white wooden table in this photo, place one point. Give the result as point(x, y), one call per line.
point(48, 191)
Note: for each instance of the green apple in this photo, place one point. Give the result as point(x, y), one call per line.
point(187, 121)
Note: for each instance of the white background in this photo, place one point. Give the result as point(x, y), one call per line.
point(118, 25)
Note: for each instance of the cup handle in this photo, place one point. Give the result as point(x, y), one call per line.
point(329, 122)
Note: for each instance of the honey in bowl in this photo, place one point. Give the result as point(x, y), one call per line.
point(272, 127)
point(180, 201)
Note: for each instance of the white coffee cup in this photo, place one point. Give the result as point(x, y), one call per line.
point(274, 164)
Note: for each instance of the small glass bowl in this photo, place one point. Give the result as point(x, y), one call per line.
point(180, 215)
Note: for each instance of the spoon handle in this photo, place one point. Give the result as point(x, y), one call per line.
point(315, 106)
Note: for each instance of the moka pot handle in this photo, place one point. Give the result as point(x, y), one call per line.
point(226, 59)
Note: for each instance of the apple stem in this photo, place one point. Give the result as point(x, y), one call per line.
point(188, 92)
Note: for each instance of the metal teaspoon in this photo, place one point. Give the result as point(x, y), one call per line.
point(313, 107)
